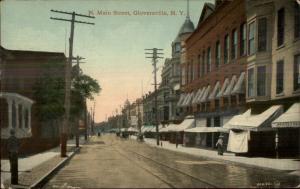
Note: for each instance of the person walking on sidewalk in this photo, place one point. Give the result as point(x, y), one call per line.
point(13, 148)
point(219, 145)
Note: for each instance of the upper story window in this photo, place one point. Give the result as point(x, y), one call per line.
point(262, 34)
point(243, 38)
point(261, 81)
point(199, 66)
point(203, 64)
point(226, 49)
point(208, 61)
point(234, 42)
point(251, 82)
point(191, 72)
point(177, 47)
point(251, 38)
point(297, 20)
point(279, 76)
point(297, 72)
point(218, 54)
point(280, 27)
point(183, 75)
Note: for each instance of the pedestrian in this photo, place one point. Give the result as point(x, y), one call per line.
point(160, 143)
point(219, 145)
point(176, 140)
point(13, 149)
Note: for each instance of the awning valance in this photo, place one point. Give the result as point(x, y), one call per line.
point(239, 87)
point(259, 122)
point(229, 88)
point(224, 86)
point(204, 97)
point(206, 130)
point(216, 89)
point(289, 119)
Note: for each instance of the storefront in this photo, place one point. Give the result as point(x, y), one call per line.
point(252, 135)
point(288, 132)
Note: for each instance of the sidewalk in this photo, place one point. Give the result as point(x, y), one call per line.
point(279, 164)
point(29, 167)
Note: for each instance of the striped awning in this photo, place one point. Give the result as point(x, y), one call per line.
point(229, 88)
point(239, 87)
point(224, 86)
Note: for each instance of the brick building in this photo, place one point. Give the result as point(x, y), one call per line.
point(20, 70)
point(214, 61)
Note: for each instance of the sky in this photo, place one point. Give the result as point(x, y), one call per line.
point(113, 48)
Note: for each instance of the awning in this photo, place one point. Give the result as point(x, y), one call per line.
point(184, 102)
point(200, 95)
point(229, 88)
point(148, 128)
point(187, 123)
point(213, 94)
point(132, 129)
point(206, 130)
point(204, 97)
point(189, 99)
point(238, 141)
point(167, 128)
point(239, 87)
point(201, 122)
point(181, 99)
point(224, 86)
point(196, 96)
point(153, 129)
point(258, 122)
point(289, 119)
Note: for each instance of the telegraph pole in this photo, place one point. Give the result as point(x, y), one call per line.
point(66, 117)
point(155, 55)
point(77, 74)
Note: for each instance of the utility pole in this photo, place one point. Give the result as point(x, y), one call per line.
point(66, 117)
point(77, 74)
point(155, 55)
point(93, 119)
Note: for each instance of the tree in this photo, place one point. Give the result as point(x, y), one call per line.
point(49, 94)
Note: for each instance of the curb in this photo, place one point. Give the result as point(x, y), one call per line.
point(42, 181)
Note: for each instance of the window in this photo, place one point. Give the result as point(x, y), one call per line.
point(243, 38)
point(195, 70)
point(250, 82)
point(208, 62)
point(177, 47)
point(280, 27)
point(297, 72)
point(234, 44)
point(251, 42)
point(183, 76)
point(218, 54)
point(297, 20)
point(226, 49)
point(199, 66)
point(279, 77)
point(261, 81)
point(262, 34)
point(191, 72)
point(203, 64)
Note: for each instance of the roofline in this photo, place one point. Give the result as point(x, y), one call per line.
point(32, 52)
